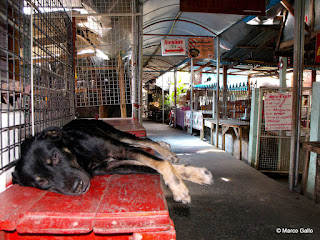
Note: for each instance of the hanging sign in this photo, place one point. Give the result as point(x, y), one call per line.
point(318, 49)
point(242, 7)
point(278, 111)
point(170, 47)
point(201, 47)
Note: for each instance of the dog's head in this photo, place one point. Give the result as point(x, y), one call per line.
point(47, 163)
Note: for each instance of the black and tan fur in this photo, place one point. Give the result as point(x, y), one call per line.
point(64, 160)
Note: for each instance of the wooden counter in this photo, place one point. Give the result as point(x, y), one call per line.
point(225, 124)
point(311, 147)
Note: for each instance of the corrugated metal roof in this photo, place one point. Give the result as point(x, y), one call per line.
point(240, 42)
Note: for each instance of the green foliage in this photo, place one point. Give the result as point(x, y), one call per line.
point(170, 97)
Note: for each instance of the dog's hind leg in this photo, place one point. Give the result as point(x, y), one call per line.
point(161, 147)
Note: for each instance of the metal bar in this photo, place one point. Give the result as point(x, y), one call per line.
point(175, 97)
point(140, 37)
point(134, 64)
point(259, 127)
point(181, 20)
point(107, 15)
point(225, 91)
point(31, 73)
point(302, 26)
point(162, 100)
point(191, 97)
point(297, 87)
point(175, 35)
point(217, 92)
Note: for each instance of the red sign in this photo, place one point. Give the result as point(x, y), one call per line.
point(318, 49)
point(241, 7)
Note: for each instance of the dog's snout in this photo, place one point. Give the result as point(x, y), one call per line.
point(79, 186)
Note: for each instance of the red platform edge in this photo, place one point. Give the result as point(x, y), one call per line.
point(114, 204)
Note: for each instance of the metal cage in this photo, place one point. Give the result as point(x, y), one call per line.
point(104, 46)
point(36, 71)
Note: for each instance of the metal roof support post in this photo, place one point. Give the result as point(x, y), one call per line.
point(282, 145)
point(31, 73)
point(162, 100)
point(298, 47)
point(134, 65)
point(283, 64)
point(191, 96)
point(140, 51)
point(217, 92)
point(175, 97)
point(137, 70)
point(225, 92)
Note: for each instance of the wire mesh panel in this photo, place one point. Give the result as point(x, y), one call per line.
point(36, 71)
point(52, 56)
point(274, 146)
point(104, 43)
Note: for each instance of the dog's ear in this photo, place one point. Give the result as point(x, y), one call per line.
point(15, 178)
point(53, 134)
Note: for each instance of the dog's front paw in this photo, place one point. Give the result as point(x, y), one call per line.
point(205, 176)
point(181, 194)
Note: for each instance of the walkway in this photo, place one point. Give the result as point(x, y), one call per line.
point(241, 204)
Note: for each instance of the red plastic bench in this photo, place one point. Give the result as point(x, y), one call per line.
point(115, 207)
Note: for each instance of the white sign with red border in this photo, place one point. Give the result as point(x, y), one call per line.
point(278, 111)
point(170, 47)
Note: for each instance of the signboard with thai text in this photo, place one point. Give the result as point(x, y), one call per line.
point(278, 111)
point(173, 47)
point(202, 46)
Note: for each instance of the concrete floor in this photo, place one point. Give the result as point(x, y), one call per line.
point(241, 204)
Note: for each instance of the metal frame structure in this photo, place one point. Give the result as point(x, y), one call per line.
point(108, 57)
point(36, 71)
point(273, 153)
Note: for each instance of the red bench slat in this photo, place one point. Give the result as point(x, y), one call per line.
point(114, 204)
point(133, 206)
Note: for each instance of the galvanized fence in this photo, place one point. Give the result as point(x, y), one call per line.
point(273, 147)
point(104, 46)
point(36, 71)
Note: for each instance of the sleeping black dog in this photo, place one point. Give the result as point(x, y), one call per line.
point(64, 160)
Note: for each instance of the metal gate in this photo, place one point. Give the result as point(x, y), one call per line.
point(273, 147)
point(105, 46)
point(36, 71)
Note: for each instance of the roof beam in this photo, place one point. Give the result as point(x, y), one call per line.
point(288, 6)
